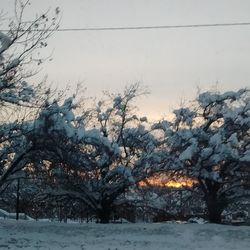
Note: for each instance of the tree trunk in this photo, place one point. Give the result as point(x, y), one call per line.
point(214, 215)
point(104, 213)
point(215, 209)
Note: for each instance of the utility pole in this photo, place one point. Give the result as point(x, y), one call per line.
point(17, 198)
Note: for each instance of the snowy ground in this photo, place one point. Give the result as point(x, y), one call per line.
point(54, 236)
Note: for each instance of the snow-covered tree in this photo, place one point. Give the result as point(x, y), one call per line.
point(210, 142)
point(95, 163)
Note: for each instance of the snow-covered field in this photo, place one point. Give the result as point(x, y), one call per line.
point(54, 236)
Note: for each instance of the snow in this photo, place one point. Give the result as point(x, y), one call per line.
point(5, 214)
point(233, 140)
point(5, 42)
point(215, 140)
point(123, 171)
point(117, 102)
point(208, 98)
point(246, 156)
point(52, 235)
point(189, 152)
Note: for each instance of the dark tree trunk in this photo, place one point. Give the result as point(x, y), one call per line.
point(215, 208)
point(104, 216)
point(104, 213)
point(214, 215)
point(215, 203)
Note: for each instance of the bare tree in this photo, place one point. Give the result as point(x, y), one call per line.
point(18, 44)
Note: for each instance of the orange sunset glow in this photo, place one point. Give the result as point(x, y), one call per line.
point(160, 182)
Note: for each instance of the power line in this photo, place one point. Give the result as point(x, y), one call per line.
point(155, 27)
point(206, 25)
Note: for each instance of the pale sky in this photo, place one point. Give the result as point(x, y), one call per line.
point(172, 63)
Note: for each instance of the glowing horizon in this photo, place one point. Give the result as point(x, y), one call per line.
point(160, 182)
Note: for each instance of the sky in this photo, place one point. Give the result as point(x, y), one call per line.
point(172, 63)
